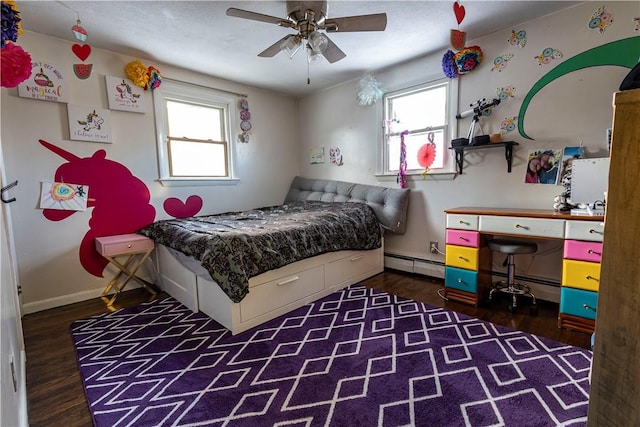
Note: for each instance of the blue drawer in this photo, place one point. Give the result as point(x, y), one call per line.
point(459, 278)
point(573, 301)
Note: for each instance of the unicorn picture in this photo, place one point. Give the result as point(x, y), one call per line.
point(89, 124)
point(93, 121)
point(124, 95)
point(126, 92)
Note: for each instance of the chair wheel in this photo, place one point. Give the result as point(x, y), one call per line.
point(512, 308)
point(533, 310)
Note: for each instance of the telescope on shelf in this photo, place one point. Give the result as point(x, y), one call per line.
point(477, 109)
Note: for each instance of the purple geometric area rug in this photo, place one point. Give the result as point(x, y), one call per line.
point(358, 357)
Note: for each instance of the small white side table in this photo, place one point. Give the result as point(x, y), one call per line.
point(136, 248)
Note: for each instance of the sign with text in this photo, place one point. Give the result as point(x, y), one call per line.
point(47, 83)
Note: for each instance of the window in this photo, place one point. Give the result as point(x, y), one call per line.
point(192, 125)
point(427, 114)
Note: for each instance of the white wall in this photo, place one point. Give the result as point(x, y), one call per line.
point(572, 110)
point(47, 252)
point(575, 108)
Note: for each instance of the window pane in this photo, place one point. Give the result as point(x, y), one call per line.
point(420, 110)
point(188, 158)
point(195, 121)
point(413, 144)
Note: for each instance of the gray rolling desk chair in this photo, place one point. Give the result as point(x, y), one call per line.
point(510, 286)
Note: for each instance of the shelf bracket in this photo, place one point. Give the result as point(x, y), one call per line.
point(508, 153)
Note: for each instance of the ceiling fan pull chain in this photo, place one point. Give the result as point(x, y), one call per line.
point(308, 66)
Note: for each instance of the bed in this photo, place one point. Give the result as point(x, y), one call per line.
point(245, 268)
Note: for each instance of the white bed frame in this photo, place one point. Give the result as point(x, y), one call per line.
point(280, 291)
point(271, 294)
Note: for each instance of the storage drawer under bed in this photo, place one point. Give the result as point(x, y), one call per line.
point(280, 292)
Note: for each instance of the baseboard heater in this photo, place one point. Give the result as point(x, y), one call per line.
point(420, 266)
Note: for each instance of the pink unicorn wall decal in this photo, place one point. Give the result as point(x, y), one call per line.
point(120, 201)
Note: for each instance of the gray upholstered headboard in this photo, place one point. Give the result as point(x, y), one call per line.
point(389, 204)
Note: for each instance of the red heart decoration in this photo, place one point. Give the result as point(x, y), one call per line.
point(459, 11)
point(82, 51)
point(177, 209)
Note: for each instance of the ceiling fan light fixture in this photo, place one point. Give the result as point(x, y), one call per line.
point(317, 42)
point(291, 46)
point(312, 56)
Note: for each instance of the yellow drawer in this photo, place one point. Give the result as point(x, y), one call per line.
point(581, 274)
point(462, 257)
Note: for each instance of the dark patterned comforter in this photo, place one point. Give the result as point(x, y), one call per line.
point(236, 246)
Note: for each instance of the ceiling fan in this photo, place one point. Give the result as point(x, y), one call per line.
point(308, 18)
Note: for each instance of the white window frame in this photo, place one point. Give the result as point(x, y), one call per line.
point(448, 170)
point(190, 93)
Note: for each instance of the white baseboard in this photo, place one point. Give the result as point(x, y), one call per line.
point(46, 304)
point(426, 268)
point(34, 307)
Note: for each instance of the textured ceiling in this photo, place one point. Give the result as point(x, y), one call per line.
point(198, 35)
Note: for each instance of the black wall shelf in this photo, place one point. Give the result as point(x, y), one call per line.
point(508, 152)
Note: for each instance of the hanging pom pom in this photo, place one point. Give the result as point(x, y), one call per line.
point(468, 59)
point(155, 78)
point(15, 65)
point(138, 73)
point(449, 64)
point(11, 26)
point(369, 91)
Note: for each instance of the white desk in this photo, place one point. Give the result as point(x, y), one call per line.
point(468, 273)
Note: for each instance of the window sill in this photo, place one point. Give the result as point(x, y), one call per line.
point(433, 176)
point(197, 182)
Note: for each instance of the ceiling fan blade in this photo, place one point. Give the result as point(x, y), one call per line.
point(274, 49)
point(239, 13)
point(374, 22)
point(333, 53)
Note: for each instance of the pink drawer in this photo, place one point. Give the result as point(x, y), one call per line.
point(463, 238)
point(123, 244)
point(583, 251)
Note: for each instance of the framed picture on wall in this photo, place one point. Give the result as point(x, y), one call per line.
point(47, 83)
point(124, 95)
point(316, 155)
point(89, 123)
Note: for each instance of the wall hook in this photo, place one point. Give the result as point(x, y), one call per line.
point(6, 188)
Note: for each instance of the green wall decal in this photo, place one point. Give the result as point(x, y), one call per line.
point(623, 53)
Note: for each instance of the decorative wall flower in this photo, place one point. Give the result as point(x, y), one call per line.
point(137, 73)
point(11, 26)
point(15, 64)
point(155, 78)
point(449, 64)
point(468, 59)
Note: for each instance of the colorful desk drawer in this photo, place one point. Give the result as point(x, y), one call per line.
point(581, 274)
point(577, 310)
point(459, 278)
point(463, 238)
point(578, 302)
point(583, 251)
point(461, 257)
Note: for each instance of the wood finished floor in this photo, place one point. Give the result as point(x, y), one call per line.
point(54, 388)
